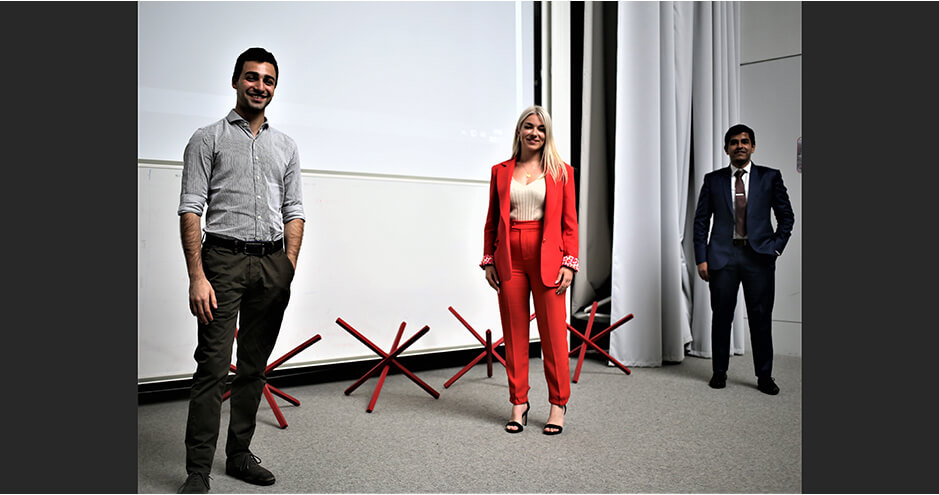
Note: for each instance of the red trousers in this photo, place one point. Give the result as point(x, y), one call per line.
point(550, 312)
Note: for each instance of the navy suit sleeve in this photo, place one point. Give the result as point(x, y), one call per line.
point(702, 222)
point(782, 209)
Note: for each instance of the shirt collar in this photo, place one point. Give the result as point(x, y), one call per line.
point(734, 169)
point(234, 118)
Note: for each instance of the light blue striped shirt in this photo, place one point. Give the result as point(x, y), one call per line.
point(252, 184)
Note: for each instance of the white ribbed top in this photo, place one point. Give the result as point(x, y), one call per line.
point(527, 200)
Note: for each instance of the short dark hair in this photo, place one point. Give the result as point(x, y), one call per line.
point(738, 129)
point(255, 54)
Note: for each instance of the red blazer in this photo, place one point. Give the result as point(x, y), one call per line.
point(559, 244)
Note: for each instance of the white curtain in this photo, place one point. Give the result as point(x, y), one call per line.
point(662, 68)
point(716, 97)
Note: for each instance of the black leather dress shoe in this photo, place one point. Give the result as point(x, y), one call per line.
point(718, 380)
point(195, 483)
point(245, 467)
point(767, 386)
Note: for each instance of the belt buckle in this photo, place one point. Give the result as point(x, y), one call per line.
point(254, 248)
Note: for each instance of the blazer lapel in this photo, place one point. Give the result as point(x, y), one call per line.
point(550, 194)
point(505, 182)
point(725, 185)
point(753, 192)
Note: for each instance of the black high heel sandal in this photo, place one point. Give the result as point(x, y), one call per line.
point(556, 427)
point(516, 423)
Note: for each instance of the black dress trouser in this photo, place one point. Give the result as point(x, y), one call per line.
point(757, 273)
point(257, 287)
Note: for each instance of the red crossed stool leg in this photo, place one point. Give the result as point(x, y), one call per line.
point(270, 390)
point(388, 359)
point(592, 341)
point(488, 353)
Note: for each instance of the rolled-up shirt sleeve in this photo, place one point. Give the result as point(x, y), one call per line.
point(292, 208)
point(197, 168)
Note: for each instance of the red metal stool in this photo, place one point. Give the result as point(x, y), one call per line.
point(388, 359)
point(592, 341)
point(488, 353)
point(270, 389)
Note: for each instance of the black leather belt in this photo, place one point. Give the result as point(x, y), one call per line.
point(741, 242)
point(249, 248)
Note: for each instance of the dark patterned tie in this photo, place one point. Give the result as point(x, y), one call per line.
point(740, 204)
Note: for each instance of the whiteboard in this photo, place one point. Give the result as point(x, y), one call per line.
point(376, 251)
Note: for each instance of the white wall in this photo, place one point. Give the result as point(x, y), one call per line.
point(771, 103)
point(770, 30)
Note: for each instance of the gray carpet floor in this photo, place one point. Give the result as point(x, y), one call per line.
point(659, 430)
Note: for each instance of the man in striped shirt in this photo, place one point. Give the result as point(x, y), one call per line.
point(246, 176)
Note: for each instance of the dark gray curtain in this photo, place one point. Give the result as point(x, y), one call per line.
point(595, 209)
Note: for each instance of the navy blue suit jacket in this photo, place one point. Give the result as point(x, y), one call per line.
point(766, 193)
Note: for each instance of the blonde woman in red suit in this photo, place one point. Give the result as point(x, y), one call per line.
point(531, 249)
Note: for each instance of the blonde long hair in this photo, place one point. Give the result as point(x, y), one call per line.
point(550, 158)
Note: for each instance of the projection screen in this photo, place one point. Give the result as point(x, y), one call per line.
point(424, 89)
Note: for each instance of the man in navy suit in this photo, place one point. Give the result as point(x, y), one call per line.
point(742, 248)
